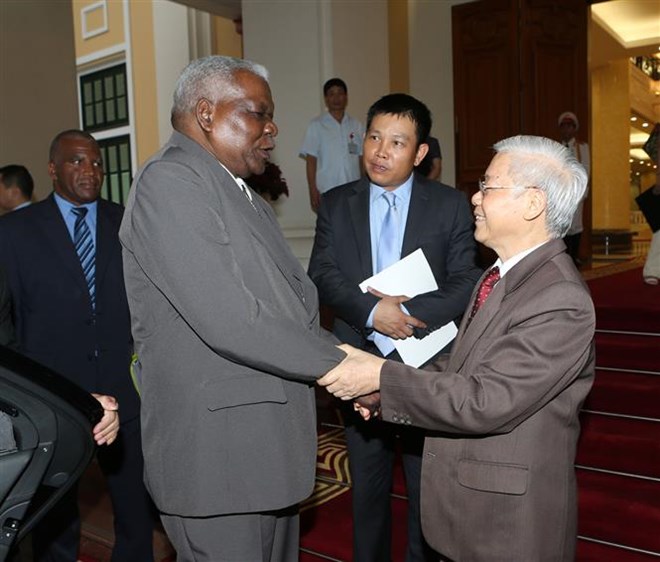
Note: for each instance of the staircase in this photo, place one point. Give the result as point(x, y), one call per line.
point(618, 461)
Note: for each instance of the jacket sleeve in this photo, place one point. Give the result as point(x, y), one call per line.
point(183, 245)
point(507, 377)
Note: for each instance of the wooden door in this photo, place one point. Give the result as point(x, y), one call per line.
point(486, 103)
point(518, 64)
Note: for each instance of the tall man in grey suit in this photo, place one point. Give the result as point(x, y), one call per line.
point(350, 242)
point(498, 481)
point(226, 326)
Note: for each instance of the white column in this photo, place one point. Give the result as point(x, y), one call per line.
point(303, 44)
point(172, 55)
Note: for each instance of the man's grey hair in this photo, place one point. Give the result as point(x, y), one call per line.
point(549, 166)
point(211, 78)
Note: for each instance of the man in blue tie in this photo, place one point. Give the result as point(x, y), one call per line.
point(63, 261)
point(362, 228)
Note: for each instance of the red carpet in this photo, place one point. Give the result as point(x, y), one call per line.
point(619, 450)
point(624, 302)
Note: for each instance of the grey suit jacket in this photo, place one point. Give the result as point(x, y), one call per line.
point(226, 326)
point(439, 222)
point(498, 481)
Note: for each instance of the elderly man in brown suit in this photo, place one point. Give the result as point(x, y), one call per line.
point(498, 482)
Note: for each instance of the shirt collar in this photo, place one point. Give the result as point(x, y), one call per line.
point(66, 206)
point(240, 183)
point(403, 192)
point(508, 264)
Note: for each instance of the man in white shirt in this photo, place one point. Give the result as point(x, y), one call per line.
point(332, 145)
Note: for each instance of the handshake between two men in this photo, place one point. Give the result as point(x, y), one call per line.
point(357, 378)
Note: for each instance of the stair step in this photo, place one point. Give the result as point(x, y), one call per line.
point(637, 352)
point(588, 551)
point(619, 509)
point(619, 444)
point(621, 392)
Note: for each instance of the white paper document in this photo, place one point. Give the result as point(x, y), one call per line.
point(412, 276)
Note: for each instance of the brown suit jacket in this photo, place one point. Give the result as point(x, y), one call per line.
point(498, 481)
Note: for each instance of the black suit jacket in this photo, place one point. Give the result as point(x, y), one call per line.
point(6, 326)
point(439, 222)
point(54, 321)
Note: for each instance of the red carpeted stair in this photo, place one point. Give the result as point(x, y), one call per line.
point(618, 461)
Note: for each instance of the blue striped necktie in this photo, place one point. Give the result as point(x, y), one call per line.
point(82, 239)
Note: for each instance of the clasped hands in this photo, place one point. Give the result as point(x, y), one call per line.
point(390, 320)
point(356, 377)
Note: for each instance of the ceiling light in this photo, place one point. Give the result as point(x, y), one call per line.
point(645, 124)
point(633, 118)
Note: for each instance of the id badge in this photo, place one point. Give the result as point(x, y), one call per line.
point(352, 147)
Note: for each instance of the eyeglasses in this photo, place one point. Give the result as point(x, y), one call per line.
point(484, 188)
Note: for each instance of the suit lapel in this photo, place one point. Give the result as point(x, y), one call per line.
point(358, 207)
point(469, 334)
point(58, 238)
point(416, 220)
point(470, 331)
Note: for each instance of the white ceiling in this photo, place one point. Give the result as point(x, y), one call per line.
point(633, 23)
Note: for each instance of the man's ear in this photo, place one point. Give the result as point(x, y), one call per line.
point(204, 111)
point(51, 170)
point(421, 152)
point(536, 203)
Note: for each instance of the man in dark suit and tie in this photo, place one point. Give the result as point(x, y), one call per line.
point(226, 326)
point(63, 260)
point(498, 476)
point(363, 227)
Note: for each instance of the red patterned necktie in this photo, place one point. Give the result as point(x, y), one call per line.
point(492, 277)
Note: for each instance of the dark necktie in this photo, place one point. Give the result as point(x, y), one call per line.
point(82, 239)
point(388, 253)
point(487, 284)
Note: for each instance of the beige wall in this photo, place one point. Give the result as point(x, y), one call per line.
point(38, 97)
point(359, 43)
point(145, 94)
point(610, 134)
point(226, 41)
point(113, 20)
point(397, 24)
point(431, 74)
